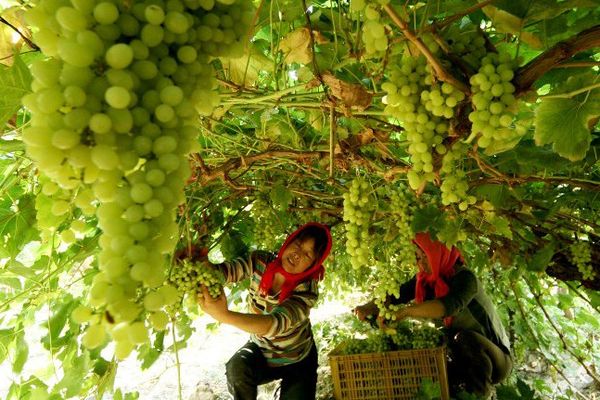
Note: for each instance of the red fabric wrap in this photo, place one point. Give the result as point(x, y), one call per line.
point(316, 271)
point(441, 261)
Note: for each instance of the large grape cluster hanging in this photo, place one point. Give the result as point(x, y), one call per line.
point(389, 274)
point(113, 110)
point(358, 210)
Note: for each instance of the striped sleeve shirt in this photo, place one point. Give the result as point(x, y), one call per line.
point(290, 338)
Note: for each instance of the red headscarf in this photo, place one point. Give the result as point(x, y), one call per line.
point(316, 271)
point(441, 260)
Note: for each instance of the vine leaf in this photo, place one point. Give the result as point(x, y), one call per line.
point(352, 95)
point(296, 45)
point(508, 23)
point(21, 353)
point(245, 69)
point(566, 122)
point(15, 83)
point(9, 39)
point(542, 258)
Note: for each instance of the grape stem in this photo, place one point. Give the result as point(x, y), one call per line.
point(440, 71)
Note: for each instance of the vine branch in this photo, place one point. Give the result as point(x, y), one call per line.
point(529, 73)
point(590, 373)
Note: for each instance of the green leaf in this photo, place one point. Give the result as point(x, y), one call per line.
point(542, 258)
point(429, 218)
point(15, 83)
point(583, 317)
point(21, 353)
point(566, 122)
point(17, 224)
point(10, 146)
point(500, 225)
point(60, 316)
point(6, 336)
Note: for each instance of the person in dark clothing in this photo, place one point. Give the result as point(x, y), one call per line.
point(479, 349)
point(283, 289)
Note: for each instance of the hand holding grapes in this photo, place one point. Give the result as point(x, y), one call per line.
point(215, 307)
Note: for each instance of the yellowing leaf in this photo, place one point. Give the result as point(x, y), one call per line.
point(10, 40)
point(508, 23)
point(296, 45)
point(352, 95)
point(245, 70)
point(566, 121)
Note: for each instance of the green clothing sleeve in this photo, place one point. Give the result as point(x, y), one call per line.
point(463, 288)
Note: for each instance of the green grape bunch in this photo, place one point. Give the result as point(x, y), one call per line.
point(114, 107)
point(454, 185)
point(358, 210)
point(390, 274)
point(494, 114)
point(188, 278)
point(581, 255)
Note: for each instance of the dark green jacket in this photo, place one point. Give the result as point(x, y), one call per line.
point(468, 304)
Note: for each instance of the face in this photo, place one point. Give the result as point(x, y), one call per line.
point(422, 261)
point(299, 255)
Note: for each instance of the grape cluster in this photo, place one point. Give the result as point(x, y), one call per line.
point(358, 209)
point(392, 273)
point(405, 335)
point(408, 97)
point(493, 101)
point(415, 335)
point(375, 342)
point(113, 110)
point(581, 255)
point(267, 228)
point(188, 277)
point(454, 186)
point(373, 29)
point(466, 42)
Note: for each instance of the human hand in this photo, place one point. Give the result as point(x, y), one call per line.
point(215, 307)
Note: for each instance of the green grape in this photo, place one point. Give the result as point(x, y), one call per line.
point(94, 336)
point(159, 320)
point(154, 14)
point(119, 56)
point(117, 97)
point(71, 19)
point(106, 13)
point(141, 192)
point(138, 333)
point(82, 314)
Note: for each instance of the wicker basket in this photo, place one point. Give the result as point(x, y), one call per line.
point(386, 376)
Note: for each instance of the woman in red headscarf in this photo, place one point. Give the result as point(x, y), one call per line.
point(444, 289)
point(283, 289)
